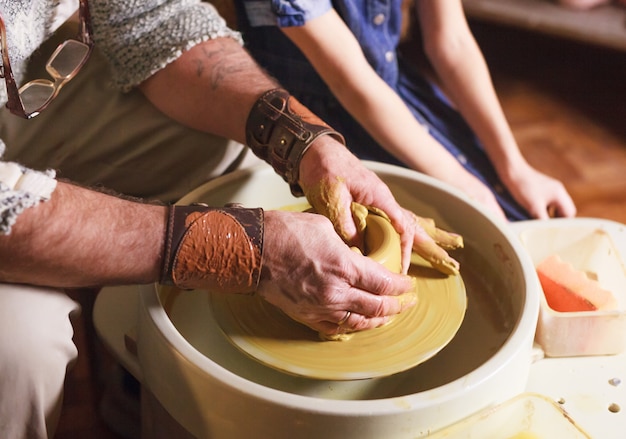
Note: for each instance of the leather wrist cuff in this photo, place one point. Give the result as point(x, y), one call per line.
point(279, 130)
point(215, 249)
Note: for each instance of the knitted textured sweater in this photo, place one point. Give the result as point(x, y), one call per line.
point(138, 37)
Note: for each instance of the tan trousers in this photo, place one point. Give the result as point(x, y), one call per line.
point(95, 136)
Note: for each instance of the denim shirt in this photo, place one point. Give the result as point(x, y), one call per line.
point(375, 23)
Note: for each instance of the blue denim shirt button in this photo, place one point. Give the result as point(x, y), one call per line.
point(389, 56)
point(379, 19)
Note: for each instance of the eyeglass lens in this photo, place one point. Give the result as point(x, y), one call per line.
point(62, 66)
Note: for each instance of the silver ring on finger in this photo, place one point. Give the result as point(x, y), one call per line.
point(345, 318)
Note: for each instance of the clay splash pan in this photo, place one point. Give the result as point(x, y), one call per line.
point(264, 333)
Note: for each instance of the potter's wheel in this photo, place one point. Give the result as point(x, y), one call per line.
point(186, 360)
point(264, 333)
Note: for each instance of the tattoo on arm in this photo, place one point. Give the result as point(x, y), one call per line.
point(221, 63)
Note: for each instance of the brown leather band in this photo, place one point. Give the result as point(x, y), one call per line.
point(215, 249)
point(279, 130)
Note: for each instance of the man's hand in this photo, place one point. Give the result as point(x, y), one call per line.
point(314, 277)
point(333, 179)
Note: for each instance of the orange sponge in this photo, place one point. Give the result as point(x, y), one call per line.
point(568, 290)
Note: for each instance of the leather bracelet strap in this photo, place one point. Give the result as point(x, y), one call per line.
point(216, 249)
point(279, 130)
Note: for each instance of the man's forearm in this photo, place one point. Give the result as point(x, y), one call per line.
point(211, 88)
point(84, 238)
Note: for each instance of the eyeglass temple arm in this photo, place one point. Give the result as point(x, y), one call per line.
point(13, 93)
point(85, 29)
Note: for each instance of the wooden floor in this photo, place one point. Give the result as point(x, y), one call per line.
point(566, 103)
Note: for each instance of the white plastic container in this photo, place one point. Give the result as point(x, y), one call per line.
point(527, 416)
point(589, 245)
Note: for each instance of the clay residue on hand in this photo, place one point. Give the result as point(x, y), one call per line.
point(359, 215)
point(409, 299)
point(325, 199)
point(447, 240)
point(433, 249)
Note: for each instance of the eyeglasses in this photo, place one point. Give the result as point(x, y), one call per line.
point(66, 61)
